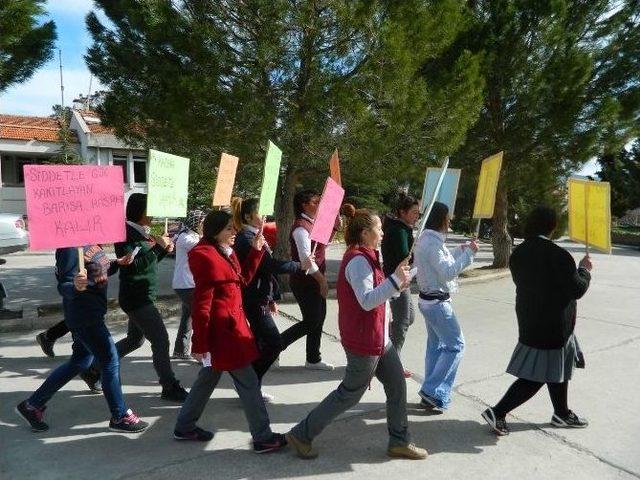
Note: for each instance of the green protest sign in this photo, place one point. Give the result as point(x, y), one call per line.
point(167, 185)
point(270, 180)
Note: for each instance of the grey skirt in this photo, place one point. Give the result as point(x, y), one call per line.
point(543, 366)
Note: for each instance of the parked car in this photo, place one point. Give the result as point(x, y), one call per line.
point(13, 234)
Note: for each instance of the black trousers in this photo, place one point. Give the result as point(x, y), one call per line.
point(314, 310)
point(266, 334)
point(56, 331)
point(523, 390)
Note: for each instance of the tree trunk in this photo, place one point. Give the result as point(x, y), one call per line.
point(500, 238)
point(284, 219)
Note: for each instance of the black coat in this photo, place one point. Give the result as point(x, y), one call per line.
point(547, 286)
point(264, 287)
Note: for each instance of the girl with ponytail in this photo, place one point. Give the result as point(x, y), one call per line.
point(363, 318)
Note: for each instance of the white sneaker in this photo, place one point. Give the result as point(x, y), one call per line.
point(268, 398)
point(319, 366)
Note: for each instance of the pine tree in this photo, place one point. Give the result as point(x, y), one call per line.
point(199, 77)
point(24, 44)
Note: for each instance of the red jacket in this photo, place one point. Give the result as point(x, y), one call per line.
point(219, 323)
point(361, 331)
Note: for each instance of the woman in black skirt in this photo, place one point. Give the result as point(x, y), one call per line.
point(547, 286)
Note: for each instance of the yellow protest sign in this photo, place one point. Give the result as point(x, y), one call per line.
point(590, 213)
point(487, 186)
point(226, 179)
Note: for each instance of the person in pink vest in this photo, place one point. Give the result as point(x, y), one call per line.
point(309, 288)
point(363, 318)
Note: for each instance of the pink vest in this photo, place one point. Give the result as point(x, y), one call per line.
point(361, 332)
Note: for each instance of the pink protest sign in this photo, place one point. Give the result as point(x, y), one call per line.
point(328, 211)
point(74, 205)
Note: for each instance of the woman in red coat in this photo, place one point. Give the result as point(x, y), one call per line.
point(222, 339)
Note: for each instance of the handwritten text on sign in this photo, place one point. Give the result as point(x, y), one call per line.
point(328, 210)
point(74, 205)
point(168, 185)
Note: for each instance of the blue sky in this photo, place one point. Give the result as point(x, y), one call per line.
point(42, 91)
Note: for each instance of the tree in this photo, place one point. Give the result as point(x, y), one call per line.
point(24, 45)
point(622, 171)
point(560, 89)
point(199, 77)
point(67, 154)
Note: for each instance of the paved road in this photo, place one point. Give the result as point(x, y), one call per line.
point(79, 446)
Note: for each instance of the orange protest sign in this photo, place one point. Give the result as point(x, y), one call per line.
point(226, 179)
point(334, 167)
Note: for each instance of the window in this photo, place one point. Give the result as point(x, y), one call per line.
point(139, 168)
point(121, 161)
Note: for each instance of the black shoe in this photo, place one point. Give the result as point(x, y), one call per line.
point(45, 344)
point(428, 402)
point(92, 379)
point(33, 416)
point(499, 425)
point(196, 435)
point(276, 442)
point(130, 423)
point(571, 420)
point(175, 393)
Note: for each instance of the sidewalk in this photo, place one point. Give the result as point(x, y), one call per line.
point(30, 282)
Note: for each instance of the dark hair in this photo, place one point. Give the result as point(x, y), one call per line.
point(357, 221)
point(136, 207)
point(437, 216)
point(542, 220)
point(247, 207)
point(302, 197)
point(214, 223)
point(403, 203)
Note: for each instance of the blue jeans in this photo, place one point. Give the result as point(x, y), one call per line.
point(87, 342)
point(445, 347)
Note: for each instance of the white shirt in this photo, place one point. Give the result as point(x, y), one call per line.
point(360, 276)
point(303, 244)
point(182, 276)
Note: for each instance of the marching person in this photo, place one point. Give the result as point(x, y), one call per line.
point(182, 283)
point(395, 247)
point(438, 269)
point(84, 298)
point(137, 295)
point(547, 287)
point(222, 338)
point(259, 297)
point(309, 288)
point(363, 317)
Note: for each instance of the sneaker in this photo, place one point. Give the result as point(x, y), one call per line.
point(571, 420)
point(130, 423)
point(499, 425)
point(319, 366)
point(195, 435)
point(427, 401)
point(410, 452)
point(303, 450)
point(268, 398)
point(45, 344)
point(33, 416)
point(92, 379)
point(181, 356)
point(407, 373)
point(276, 442)
point(174, 393)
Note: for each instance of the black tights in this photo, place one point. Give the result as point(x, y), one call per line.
point(522, 390)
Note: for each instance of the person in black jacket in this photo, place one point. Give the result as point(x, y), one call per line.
point(395, 247)
point(547, 286)
point(84, 298)
point(260, 296)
